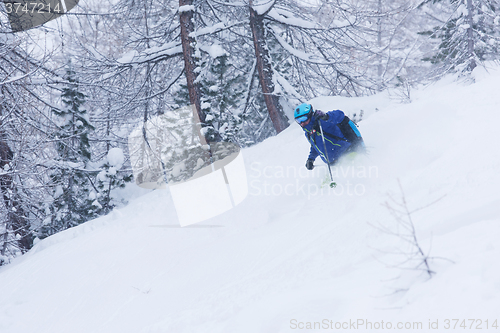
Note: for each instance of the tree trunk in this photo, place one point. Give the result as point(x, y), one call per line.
point(187, 27)
point(265, 71)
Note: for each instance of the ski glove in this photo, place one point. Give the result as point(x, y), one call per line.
point(310, 164)
point(321, 115)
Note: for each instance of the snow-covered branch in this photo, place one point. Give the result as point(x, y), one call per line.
point(152, 54)
point(309, 57)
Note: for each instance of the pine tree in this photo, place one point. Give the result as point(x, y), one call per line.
point(468, 38)
point(222, 93)
point(221, 96)
point(174, 139)
point(110, 178)
point(73, 198)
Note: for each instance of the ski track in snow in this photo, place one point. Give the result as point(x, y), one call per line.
point(298, 256)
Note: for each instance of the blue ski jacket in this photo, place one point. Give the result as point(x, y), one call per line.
point(335, 141)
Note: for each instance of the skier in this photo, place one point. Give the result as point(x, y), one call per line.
point(332, 130)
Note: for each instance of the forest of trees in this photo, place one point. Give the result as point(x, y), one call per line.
point(72, 90)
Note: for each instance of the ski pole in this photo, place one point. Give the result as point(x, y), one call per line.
point(332, 183)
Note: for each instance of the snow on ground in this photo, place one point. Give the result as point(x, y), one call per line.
point(293, 255)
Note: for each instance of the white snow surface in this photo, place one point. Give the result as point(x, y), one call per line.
point(288, 256)
point(186, 8)
point(215, 50)
point(116, 157)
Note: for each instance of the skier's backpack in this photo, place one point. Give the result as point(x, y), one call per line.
point(350, 131)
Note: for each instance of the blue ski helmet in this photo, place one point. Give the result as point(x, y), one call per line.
point(303, 110)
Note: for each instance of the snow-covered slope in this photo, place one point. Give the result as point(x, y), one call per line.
point(293, 254)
